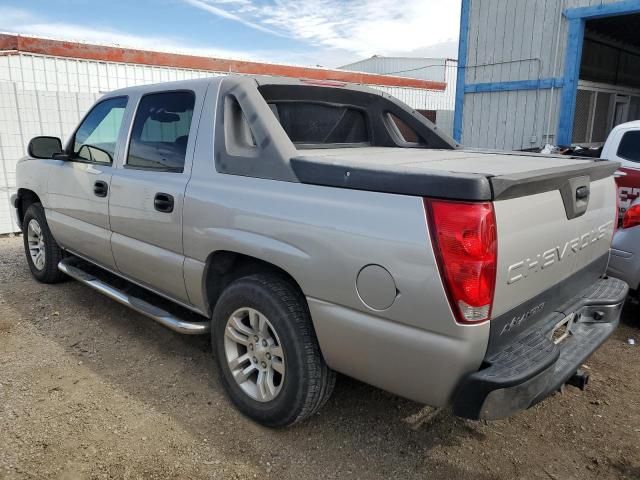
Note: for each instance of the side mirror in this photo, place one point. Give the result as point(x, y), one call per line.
point(44, 147)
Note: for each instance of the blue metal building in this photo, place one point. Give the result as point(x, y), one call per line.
point(533, 72)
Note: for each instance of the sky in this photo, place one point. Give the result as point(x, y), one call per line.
point(326, 33)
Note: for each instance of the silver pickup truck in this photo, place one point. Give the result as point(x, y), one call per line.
point(318, 227)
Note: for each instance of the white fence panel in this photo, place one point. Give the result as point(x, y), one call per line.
point(25, 114)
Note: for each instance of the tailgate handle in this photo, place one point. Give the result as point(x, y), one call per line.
point(582, 192)
point(575, 196)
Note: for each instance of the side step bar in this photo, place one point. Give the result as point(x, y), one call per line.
point(70, 267)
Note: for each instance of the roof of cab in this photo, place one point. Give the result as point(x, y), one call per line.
point(626, 125)
point(260, 80)
point(174, 85)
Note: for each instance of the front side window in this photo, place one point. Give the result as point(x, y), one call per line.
point(96, 137)
point(629, 147)
point(161, 131)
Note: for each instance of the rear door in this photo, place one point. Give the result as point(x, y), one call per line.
point(79, 187)
point(147, 197)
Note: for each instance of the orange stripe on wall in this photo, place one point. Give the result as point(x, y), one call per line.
point(60, 48)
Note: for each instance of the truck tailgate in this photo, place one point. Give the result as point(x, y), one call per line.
point(539, 248)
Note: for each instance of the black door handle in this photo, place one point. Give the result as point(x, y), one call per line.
point(100, 188)
point(163, 202)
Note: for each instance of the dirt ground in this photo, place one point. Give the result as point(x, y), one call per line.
point(89, 389)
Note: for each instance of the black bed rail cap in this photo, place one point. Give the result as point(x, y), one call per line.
point(399, 180)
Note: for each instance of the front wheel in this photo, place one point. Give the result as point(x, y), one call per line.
point(267, 353)
point(42, 252)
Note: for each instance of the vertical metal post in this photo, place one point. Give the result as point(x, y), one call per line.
point(573, 55)
point(465, 12)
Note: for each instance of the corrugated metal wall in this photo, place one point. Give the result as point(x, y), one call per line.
point(437, 69)
point(422, 68)
point(44, 73)
point(513, 41)
point(44, 95)
point(421, 99)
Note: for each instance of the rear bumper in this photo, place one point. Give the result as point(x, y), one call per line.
point(624, 261)
point(625, 266)
point(532, 367)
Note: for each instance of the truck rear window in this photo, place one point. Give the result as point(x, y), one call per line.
point(336, 116)
point(308, 123)
point(629, 147)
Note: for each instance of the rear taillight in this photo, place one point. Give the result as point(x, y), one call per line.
point(464, 240)
point(631, 217)
point(616, 220)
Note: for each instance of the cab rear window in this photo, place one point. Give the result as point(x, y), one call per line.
point(308, 123)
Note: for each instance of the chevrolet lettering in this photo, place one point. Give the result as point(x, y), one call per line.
point(524, 268)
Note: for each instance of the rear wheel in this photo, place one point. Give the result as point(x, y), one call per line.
point(42, 252)
point(267, 353)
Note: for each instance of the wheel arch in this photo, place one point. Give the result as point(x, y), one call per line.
point(25, 198)
point(225, 266)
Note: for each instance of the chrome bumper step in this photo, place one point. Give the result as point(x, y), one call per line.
point(73, 267)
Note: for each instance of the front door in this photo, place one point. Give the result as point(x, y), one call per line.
point(148, 193)
point(78, 188)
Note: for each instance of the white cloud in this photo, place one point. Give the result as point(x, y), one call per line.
point(323, 32)
point(221, 12)
point(361, 27)
point(14, 20)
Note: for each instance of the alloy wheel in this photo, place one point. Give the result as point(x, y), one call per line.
point(35, 239)
point(254, 354)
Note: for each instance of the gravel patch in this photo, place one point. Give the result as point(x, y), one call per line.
point(90, 389)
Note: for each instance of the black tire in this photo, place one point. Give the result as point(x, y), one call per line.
point(49, 272)
point(308, 382)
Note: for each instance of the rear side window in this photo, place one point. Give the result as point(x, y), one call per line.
point(95, 139)
point(318, 124)
point(629, 147)
point(161, 131)
point(406, 133)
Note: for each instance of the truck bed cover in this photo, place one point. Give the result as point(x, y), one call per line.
point(456, 174)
